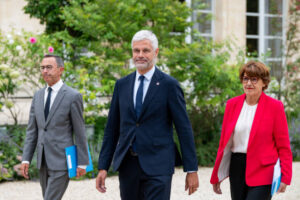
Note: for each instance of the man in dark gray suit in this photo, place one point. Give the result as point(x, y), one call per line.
point(55, 118)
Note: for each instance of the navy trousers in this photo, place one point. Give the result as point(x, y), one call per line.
point(238, 187)
point(136, 185)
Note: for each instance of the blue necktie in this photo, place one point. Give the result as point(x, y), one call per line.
point(47, 106)
point(139, 97)
point(138, 105)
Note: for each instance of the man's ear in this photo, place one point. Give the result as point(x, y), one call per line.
point(61, 69)
point(156, 51)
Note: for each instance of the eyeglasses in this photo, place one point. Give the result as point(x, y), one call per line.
point(47, 67)
point(252, 79)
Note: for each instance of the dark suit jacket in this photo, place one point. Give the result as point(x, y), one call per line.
point(163, 105)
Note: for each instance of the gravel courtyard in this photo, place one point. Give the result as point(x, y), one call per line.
point(85, 190)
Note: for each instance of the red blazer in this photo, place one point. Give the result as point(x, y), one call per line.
point(269, 139)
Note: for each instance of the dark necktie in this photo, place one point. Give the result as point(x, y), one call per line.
point(138, 105)
point(47, 106)
point(139, 97)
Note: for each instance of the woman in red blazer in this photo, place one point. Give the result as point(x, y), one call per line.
point(254, 135)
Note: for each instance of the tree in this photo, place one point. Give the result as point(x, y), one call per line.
point(200, 66)
point(291, 91)
point(209, 82)
point(19, 64)
point(8, 86)
point(107, 28)
point(102, 52)
point(292, 61)
point(48, 12)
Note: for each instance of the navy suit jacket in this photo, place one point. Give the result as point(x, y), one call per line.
point(163, 106)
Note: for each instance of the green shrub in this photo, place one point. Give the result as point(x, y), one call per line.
point(11, 146)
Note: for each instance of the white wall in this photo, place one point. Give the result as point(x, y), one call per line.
point(12, 17)
point(230, 23)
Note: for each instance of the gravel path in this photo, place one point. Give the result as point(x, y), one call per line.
point(85, 190)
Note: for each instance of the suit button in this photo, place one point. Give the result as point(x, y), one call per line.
point(137, 124)
point(45, 129)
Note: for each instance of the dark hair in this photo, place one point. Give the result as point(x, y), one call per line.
point(256, 69)
point(58, 59)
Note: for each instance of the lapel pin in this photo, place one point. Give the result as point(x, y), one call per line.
point(157, 83)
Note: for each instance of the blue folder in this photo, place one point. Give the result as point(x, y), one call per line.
point(276, 178)
point(71, 156)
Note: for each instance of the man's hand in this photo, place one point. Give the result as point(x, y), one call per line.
point(217, 188)
point(24, 170)
point(282, 188)
point(80, 172)
point(100, 181)
point(191, 182)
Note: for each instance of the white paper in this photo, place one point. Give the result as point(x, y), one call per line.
point(69, 162)
point(276, 177)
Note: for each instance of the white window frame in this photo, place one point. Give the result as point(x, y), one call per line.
point(211, 35)
point(262, 29)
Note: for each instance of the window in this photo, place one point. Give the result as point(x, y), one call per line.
point(265, 22)
point(203, 17)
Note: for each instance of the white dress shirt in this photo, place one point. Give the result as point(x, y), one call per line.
point(242, 128)
point(147, 80)
point(55, 89)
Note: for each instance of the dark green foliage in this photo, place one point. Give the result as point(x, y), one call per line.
point(206, 153)
point(11, 146)
point(48, 12)
point(208, 82)
point(291, 91)
point(295, 137)
point(107, 27)
point(104, 28)
point(96, 140)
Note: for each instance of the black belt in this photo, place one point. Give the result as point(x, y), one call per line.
point(131, 152)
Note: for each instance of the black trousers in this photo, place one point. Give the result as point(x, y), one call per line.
point(238, 187)
point(136, 185)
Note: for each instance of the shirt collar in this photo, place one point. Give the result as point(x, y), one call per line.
point(56, 86)
point(147, 75)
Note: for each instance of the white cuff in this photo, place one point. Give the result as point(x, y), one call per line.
point(82, 166)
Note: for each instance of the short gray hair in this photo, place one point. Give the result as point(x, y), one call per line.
point(145, 35)
point(58, 59)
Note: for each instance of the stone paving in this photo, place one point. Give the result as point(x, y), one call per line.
point(85, 189)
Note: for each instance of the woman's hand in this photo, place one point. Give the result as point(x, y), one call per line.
point(282, 188)
point(216, 188)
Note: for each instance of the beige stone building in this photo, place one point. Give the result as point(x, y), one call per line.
point(256, 26)
point(12, 17)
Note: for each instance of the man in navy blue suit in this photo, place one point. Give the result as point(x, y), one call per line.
point(139, 133)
